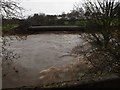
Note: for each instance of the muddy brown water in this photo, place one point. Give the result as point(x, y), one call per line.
point(39, 52)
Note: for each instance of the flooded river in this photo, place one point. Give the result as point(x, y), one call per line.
point(39, 52)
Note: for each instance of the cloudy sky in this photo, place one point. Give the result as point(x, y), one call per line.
point(47, 6)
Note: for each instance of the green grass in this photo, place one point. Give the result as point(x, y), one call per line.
point(7, 27)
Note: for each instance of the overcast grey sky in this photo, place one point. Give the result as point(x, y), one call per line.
point(47, 6)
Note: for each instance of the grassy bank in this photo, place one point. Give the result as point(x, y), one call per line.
point(7, 27)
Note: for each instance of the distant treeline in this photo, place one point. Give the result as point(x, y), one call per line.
point(65, 19)
point(41, 19)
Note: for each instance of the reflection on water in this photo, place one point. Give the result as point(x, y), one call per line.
point(39, 52)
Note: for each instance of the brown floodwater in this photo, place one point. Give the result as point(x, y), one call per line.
point(39, 52)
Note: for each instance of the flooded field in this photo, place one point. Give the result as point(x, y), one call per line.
point(39, 52)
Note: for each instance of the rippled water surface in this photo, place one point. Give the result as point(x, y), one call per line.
point(39, 52)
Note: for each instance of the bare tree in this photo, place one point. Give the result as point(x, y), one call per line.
point(103, 33)
point(10, 8)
